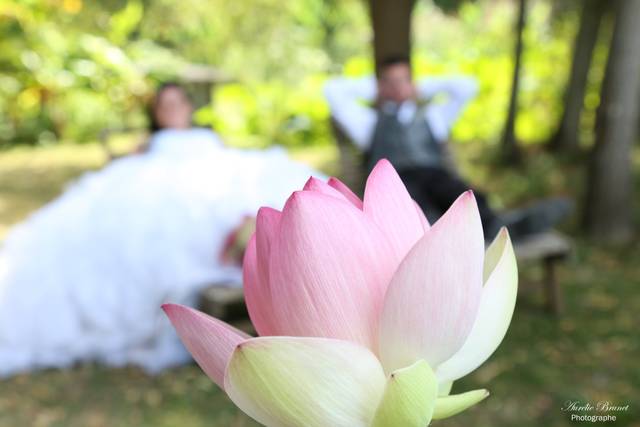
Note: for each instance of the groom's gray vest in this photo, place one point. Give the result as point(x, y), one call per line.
point(406, 145)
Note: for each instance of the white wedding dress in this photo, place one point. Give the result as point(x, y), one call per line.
point(84, 277)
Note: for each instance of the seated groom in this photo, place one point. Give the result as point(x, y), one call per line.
point(395, 118)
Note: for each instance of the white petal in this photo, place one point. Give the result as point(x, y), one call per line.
point(494, 314)
point(433, 297)
point(449, 406)
point(409, 398)
point(445, 388)
point(306, 382)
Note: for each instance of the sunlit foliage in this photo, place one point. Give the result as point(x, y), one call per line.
point(70, 68)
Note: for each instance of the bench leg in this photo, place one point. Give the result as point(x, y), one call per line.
point(553, 293)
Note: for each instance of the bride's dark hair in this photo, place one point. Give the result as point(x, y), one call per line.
point(154, 126)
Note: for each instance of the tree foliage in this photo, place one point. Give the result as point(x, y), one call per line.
point(69, 68)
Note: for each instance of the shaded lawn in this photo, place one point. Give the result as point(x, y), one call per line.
point(590, 354)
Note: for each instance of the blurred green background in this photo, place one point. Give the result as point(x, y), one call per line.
point(71, 68)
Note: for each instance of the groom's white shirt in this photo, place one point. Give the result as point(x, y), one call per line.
point(348, 99)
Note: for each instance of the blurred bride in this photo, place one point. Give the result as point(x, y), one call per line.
point(84, 277)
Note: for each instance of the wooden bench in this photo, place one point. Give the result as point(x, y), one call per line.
point(550, 248)
point(225, 301)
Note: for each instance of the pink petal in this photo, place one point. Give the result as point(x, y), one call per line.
point(433, 298)
point(388, 203)
point(346, 191)
point(314, 184)
point(423, 219)
point(256, 292)
point(256, 271)
point(330, 266)
point(210, 341)
point(267, 227)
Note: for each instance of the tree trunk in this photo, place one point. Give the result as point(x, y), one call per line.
point(328, 24)
point(566, 137)
point(391, 20)
point(510, 149)
point(608, 213)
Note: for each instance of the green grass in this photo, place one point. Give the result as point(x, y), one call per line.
point(589, 354)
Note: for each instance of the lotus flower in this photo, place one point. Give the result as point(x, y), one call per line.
point(366, 313)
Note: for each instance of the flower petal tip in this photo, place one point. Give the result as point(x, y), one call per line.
point(346, 191)
point(448, 406)
point(384, 168)
point(383, 163)
point(311, 183)
point(469, 197)
point(170, 308)
point(266, 210)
